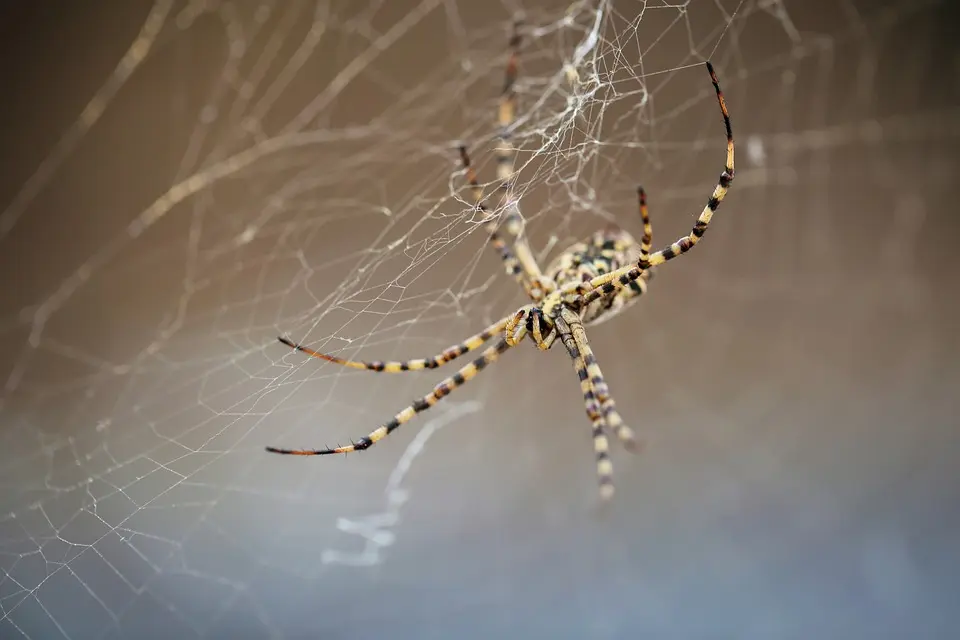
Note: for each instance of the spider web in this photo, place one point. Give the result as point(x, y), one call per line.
point(191, 179)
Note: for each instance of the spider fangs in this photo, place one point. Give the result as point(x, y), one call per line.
point(591, 282)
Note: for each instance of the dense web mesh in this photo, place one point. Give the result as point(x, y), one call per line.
point(195, 178)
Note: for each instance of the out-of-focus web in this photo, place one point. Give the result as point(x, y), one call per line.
point(378, 529)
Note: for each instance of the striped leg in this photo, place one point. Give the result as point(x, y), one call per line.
point(510, 261)
point(608, 407)
point(615, 280)
point(580, 294)
point(490, 355)
point(601, 446)
point(646, 244)
point(470, 344)
point(505, 155)
point(636, 287)
point(646, 241)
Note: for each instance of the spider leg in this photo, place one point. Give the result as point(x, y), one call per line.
point(601, 446)
point(505, 155)
point(584, 293)
point(510, 261)
point(470, 344)
point(646, 241)
point(466, 373)
point(636, 287)
point(616, 280)
point(608, 406)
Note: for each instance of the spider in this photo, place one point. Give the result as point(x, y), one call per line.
point(590, 282)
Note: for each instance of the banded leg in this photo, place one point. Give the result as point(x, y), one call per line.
point(505, 155)
point(633, 289)
point(601, 446)
point(510, 261)
point(450, 353)
point(465, 374)
point(608, 407)
point(646, 241)
point(616, 280)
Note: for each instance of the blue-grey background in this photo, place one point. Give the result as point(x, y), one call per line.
point(795, 376)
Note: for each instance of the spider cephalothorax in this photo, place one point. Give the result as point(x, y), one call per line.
point(590, 282)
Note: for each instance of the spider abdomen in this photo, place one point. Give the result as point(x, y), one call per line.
point(601, 253)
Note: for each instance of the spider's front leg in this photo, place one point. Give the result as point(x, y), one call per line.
point(518, 261)
point(518, 258)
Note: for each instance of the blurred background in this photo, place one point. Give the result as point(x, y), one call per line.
point(187, 180)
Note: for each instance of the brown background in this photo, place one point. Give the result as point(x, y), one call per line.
point(795, 376)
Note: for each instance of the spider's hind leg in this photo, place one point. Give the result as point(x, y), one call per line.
point(615, 422)
point(601, 445)
point(598, 383)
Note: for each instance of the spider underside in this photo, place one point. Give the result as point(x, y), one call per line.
point(591, 282)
